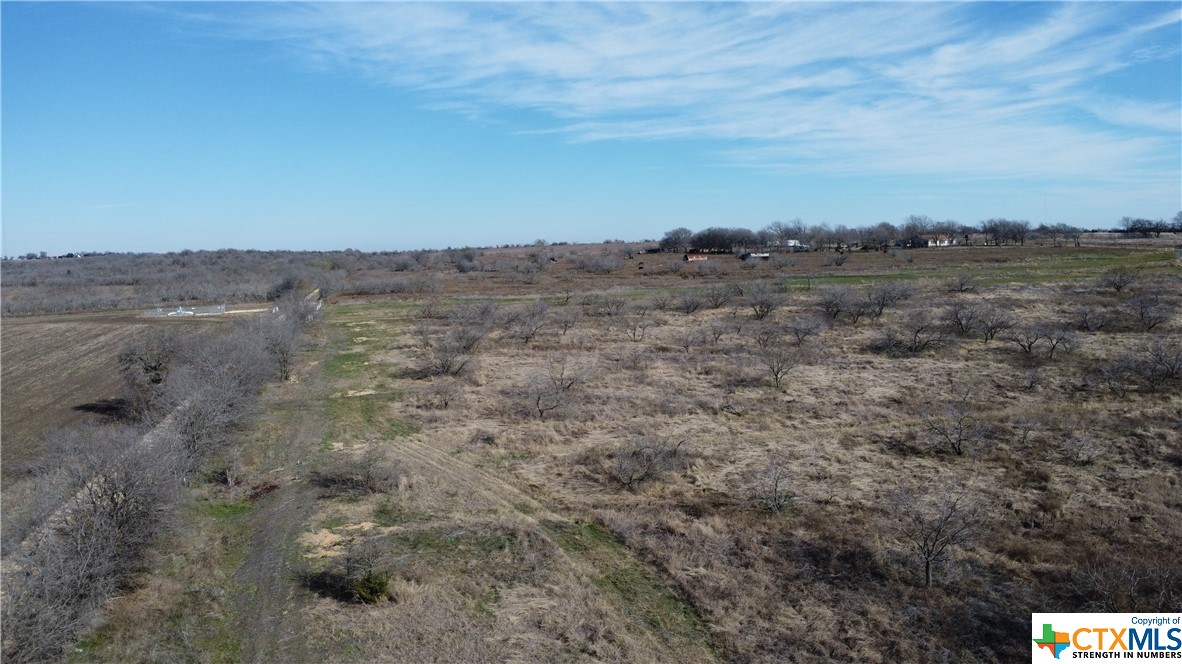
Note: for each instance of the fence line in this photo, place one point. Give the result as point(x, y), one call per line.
point(209, 310)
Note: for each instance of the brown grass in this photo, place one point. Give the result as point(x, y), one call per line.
point(505, 537)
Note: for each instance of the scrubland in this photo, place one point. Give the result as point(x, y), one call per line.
point(892, 457)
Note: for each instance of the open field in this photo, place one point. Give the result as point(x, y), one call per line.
point(694, 464)
point(58, 371)
point(62, 370)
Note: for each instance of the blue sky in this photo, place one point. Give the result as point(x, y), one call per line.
point(159, 127)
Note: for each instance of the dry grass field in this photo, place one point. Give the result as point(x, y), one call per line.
point(587, 460)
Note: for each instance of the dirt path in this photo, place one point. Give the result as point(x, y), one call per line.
point(269, 605)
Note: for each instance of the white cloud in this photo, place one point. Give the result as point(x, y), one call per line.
point(930, 88)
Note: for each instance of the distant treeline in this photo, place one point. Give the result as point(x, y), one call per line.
point(128, 281)
point(885, 234)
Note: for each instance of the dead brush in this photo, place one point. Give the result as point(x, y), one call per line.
point(644, 461)
point(361, 576)
point(355, 477)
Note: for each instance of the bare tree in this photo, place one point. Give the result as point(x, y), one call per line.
point(1163, 354)
point(468, 326)
point(525, 324)
point(567, 321)
point(801, 329)
point(1148, 311)
point(885, 294)
point(835, 302)
point(916, 334)
point(1028, 337)
point(763, 300)
point(145, 364)
point(549, 391)
point(689, 302)
point(719, 294)
point(1060, 338)
point(779, 359)
point(644, 461)
point(993, 321)
point(963, 282)
point(1093, 319)
point(955, 425)
point(772, 490)
point(690, 337)
point(118, 502)
point(931, 525)
point(636, 327)
point(1117, 279)
point(1054, 337)
point(965, 317)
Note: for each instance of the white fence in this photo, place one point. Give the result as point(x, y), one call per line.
point(210, 310)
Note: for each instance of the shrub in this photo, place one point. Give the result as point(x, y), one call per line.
point(644, 461)
point(361, 576)
point(351, 477)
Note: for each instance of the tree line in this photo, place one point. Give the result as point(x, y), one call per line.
point(103, 494)
point(997, 231)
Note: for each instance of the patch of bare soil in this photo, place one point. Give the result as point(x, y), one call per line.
point(56, 372)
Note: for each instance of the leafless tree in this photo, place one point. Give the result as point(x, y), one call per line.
point(1150, 585)
point(1029, 337)
point(930, 525)
point(772, 490)
point(885, 294)
point(549, 391)
point(716, 329)
point(1118, 279)
point(964, 317)
point(1093, 319)
point(837, 302)
point(690, 337)
point(441, 393)
point(963, 282)
point(955, 425)
point(525, 324)
point(145, 364)
point(689, 302)
point(918, 333)
point(636, 327)
point(780, 359)
point(453, 352)
point(1163, 354)
point(1060, 338)
point(803, 328)
point(719, 294)
point(118, 503)
point(1029, 423)
point(1157, 365)
point(645, 460)
point(763, 300)
point(1051, 336)
point(1148, 311)
point(993, 321)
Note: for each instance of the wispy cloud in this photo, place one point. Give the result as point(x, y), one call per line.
point(961, 90)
